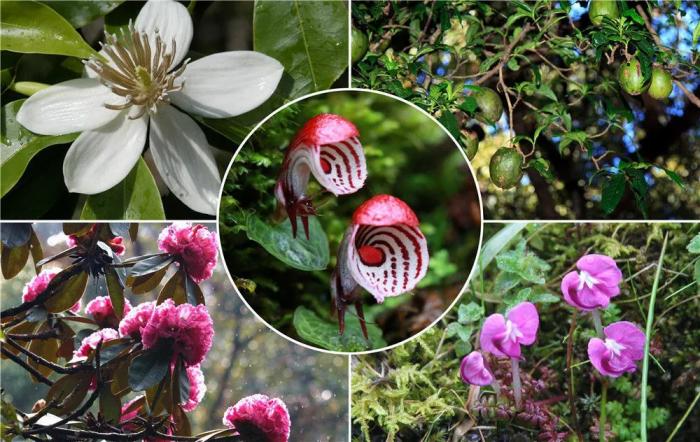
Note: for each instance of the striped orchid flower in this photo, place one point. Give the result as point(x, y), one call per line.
point(328, 147)
point(383, 251)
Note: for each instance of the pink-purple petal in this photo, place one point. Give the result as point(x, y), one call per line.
point(525, 317)
point(494, 327)
point(628, 335)
point(473, 370)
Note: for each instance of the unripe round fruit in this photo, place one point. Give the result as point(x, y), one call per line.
point(360, 43)
point(661, 83)
point(506, 167)
point(471, 143)
point(490, 106)
point(602, 8)
point(630, 77)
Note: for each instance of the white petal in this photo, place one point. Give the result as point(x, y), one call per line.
point(404, 261)
point(184, 159)
point(100, 159)
point(228, 83)
point(173, 23)
point(71, 106)
point(340, 167)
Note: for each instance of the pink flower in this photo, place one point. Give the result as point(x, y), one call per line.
point(623, 346)
point(195, 247)
point(90, 342)
point(502, 337)
point(102, 311)
point(39, 283)
point(260, 418)
point(597, 280)
point(136, 319)
point(474, 370)
point(197, 388)
point(189, 327)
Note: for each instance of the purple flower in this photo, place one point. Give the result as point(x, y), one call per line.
point(474, 370)
point(622, 348)
point(502, 337)
point(597, 280)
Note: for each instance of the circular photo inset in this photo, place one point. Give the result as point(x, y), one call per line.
point(350, 220)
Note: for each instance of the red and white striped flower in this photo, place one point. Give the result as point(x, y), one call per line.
point(383, 251)
point(328, 147)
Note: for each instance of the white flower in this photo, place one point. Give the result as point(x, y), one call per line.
point(135, 82)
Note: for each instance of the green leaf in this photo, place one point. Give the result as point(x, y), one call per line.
point(471, 312)
point(136, 197)
point(543, 167)
point(613, 189)
point(116, 292)
point(694, 245)
point(80, 13)
point(110, 405)
point(675, 178)
point(33, 28)
point(462, 348)
point(300, 253)
point(150, 265)
point(448, 120)
point(696, 273)
point(696, 34)
point(469, 104)
point(68, 293)
point(506, 281)
point(524, 264)
point(545, 298)
point(521, 296)
point(324, 333)
point(496, 243)
point(19, 146)
point(314, 50)
point(547, 91)
point(147, 369)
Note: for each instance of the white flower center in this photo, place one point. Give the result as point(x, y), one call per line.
point(586, 279)
point(614, 346)
point(138, 72)
point(512, 331)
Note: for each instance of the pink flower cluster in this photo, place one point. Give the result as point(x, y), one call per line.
point(135, 320)
point(91, 342)
point(590, 288)
point(197, 388)
point(259, 417)
point(188, 327)
point(39, 283)
point(116, 243)
point(195, 247)
point(102, 311)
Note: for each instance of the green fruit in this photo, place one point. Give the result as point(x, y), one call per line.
point(602, 8)
point(360, 43)
point(506, 167)
point(631, 78)
point(470, 140)
point(661, 84)
point(490, 106)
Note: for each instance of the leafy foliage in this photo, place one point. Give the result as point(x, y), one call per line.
point(591, 149)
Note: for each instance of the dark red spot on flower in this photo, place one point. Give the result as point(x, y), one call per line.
point(325, 166)
point(371, 256)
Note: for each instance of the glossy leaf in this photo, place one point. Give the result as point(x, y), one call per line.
point(19, 146)
point(314, 50)
point(79, 13)
point(302, 254)
point(13, 260)
point(47, 349)
point(110, 405)
point(148, 369)
point(193, 291)
point(613, 190)
point(116, 292)
point(150, 265)
point(174, 289)
point(69, 392)
point(144, 284)
point(34, 28)
point(67, 294)
point(324, 333)
point(136, 197)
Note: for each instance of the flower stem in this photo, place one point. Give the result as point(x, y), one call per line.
point(647, 341)
point(517, 386)
point(496, 389)
point(603, 411)
point(597, 323)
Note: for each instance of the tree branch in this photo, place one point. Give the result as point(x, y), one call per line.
point(40, 377)
point(506, 54)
